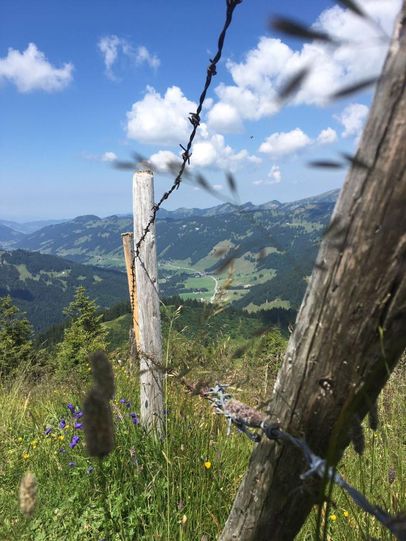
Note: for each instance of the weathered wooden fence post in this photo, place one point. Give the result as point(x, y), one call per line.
point(128, 248)
point(146, 270)
point(350, 330)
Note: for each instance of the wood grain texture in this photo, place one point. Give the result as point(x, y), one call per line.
point(351, 328)
point(128, 248)
point(146, 267)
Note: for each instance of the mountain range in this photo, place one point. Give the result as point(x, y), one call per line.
point(255, 256)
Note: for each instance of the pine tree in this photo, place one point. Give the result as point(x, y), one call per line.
point(83, 335)
point(16, 349)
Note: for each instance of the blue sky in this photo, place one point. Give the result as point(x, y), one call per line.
point(82, 83)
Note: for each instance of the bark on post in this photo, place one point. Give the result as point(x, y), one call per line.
point(350, 330)
point(128, 248)
point(146, 267)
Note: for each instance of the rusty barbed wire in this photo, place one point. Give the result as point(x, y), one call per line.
point(244, 418)
point(194, 119)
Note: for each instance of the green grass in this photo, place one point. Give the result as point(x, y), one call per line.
point(24, 273)
point(277, 303)
point(153, 490)
point(162, 490)
point(385, 454)
point(118, 331)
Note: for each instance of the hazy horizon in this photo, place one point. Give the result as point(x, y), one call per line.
point(24, 220)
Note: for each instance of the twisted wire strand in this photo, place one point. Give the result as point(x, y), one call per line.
point(194, 119)
point(245, 417)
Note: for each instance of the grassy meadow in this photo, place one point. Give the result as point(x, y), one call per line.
point(180, 488)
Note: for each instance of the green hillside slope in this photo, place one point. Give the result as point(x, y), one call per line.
point(43, 285)
point(257, 256)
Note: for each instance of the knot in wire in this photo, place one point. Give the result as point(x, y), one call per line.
point(211, 70)
point(194, 119)
point(186, 154)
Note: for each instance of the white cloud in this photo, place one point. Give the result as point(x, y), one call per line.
point(108, 46)
point(218, 187)
point(225, 118)
point(30, 70)
point(160, 119)
point(162, 159)
point(283, 143)
point(274, 177)
point(275, 174)
point(143, 56)
point(353, 118)
point(163, 120)
point(264, 68)
point(111, 46)
point(108, 157)
point(214, 153)
point(327, 136)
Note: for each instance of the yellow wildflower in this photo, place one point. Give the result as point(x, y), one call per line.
point(184, 519)
point(333, 517)
point(20, 439)
point(207, 464)
point(346, 514)
point(34, 442)
point(26, 456)
point(61, 437)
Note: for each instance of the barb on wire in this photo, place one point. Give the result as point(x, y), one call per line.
point(194, 120)
point(245, 417)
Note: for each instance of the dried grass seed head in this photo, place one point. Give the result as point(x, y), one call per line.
point(102, 372)
point(28, 494)
point(98, 424)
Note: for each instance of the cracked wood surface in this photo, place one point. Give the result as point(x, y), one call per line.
point(149, 317)
point(351, 328)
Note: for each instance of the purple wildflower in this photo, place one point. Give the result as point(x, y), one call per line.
point(62, 423)
point(78, 426)
point(78, 414)
point(123, 401)
point(128, 405)
point(134, 418)
point(74, 441)
point(90, 469)
point(47, 431)
point(71, 464)
point(71, 408)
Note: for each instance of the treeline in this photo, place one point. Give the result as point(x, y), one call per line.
point(20, 350)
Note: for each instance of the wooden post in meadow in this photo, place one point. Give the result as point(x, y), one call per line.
point(350, 330)
point(149, 318)
point(128, 247)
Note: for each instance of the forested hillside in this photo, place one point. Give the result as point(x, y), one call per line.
point(42, 285)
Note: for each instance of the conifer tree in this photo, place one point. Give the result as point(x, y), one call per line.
point(16, 349)
point(83, 335)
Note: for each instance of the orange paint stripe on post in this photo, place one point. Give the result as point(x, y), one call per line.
point(128, 247)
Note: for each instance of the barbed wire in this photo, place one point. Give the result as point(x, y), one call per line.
point(194, 119)
point(245, 418)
